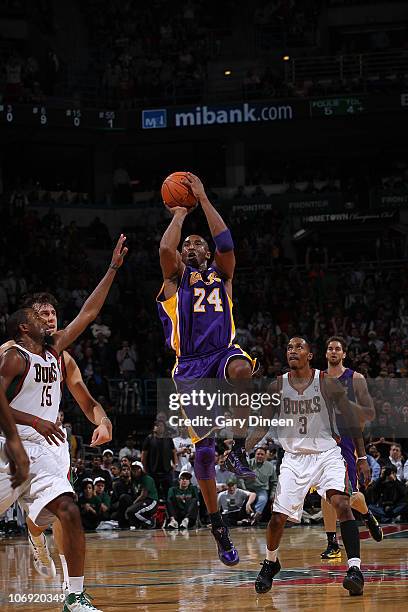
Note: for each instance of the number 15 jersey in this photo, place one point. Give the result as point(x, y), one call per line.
point(37, 391)
point(198, 319)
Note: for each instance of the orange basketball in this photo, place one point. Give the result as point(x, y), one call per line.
point(174, 193)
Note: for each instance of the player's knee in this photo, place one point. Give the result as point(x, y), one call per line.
point(239, 368)
point(68, 512)
point(204, 463)
point(276, 520)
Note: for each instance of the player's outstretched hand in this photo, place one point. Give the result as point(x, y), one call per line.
point(101, 434)
point(194, 183)
point(119, 252)
point(51, 431)
point(18, 461)
point(363, 469)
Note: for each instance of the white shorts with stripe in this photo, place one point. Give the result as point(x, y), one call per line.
point(45, 483)
point(299, 472)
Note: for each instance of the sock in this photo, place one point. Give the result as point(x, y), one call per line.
point(271, 555)
point(351, 539)
point(64, 569)
point(76, 584)
point(332, 538)
point(216, 520)
point(355, 562)
point(239, 444)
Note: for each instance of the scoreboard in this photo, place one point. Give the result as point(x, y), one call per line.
point(41, 115)
point(337, 107)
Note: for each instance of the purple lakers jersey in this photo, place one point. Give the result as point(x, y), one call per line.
point(198, 319)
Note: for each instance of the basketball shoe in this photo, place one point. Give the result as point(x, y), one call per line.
point(264, 580)
point(227, 552)
point(354, 581)
point(332, 552)
point(373, 526)
point(43, 562)
point(237, 462)
point(79, 602)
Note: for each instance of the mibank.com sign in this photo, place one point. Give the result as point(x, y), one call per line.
point(196, 116)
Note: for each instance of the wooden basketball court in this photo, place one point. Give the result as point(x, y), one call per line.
point(157, 570)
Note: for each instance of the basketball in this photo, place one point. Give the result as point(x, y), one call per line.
point(174, 193)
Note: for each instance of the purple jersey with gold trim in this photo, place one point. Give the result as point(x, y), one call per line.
point(198, 319)
point(346, 443)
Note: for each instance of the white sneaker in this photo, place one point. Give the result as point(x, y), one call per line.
point(184, 524)
point(79, 603)
point(172, 524)
point(43, 562)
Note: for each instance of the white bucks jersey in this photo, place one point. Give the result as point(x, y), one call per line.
point(37, 391)
point(310, 424)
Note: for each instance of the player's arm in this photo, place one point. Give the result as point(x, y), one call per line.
point(12, 364)
point(18, 460)
point(337, 394)
point(6, 346)
point(170, 259)
point(364, 402)
point(94, 303)
point(250, 500)
point(89, 406)
point(224, 254)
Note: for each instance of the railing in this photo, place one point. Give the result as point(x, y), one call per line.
point(367, 66)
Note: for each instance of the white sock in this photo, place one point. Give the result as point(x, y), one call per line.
point(76, 584)
point(271, 555)
point(64, 569)
point(354, 562)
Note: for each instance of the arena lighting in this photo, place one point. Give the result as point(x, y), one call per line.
point(286, 58)
point(300, 234)
point(227, 72)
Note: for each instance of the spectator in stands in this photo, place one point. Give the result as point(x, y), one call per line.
point(222, 474)
point(182, 503)
point(387, 496)
point(127, 359)
point(124, 492)
point(129, 449)
point(235, 504)
point(159, 456)
point(264, 484)
point(81, 473)
point(397, 460)
point(89, 506)
point(97, 470)
point(374, 467)
point(107, 460)
point(184, 447)
point(115, 471)
point(143, 508)
point(104, 498)
point(100, 329)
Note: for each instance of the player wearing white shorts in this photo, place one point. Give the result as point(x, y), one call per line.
point(45, 305)
point(30, 374)
point(312, 459)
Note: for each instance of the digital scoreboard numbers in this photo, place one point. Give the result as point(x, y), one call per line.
point(337, 107)
point(42, 116)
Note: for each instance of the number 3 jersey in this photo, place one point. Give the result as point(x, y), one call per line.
point(313, 429)
point(36, 391)
point(198, 319)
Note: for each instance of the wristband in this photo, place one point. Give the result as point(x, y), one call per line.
point(224, 242)
point(363, 458)
point(34, 423)
point(114, 267)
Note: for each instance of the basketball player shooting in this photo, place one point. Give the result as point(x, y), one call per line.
point(359, 398)
point(30, 374)
point(195, 307)
point(313, 459)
